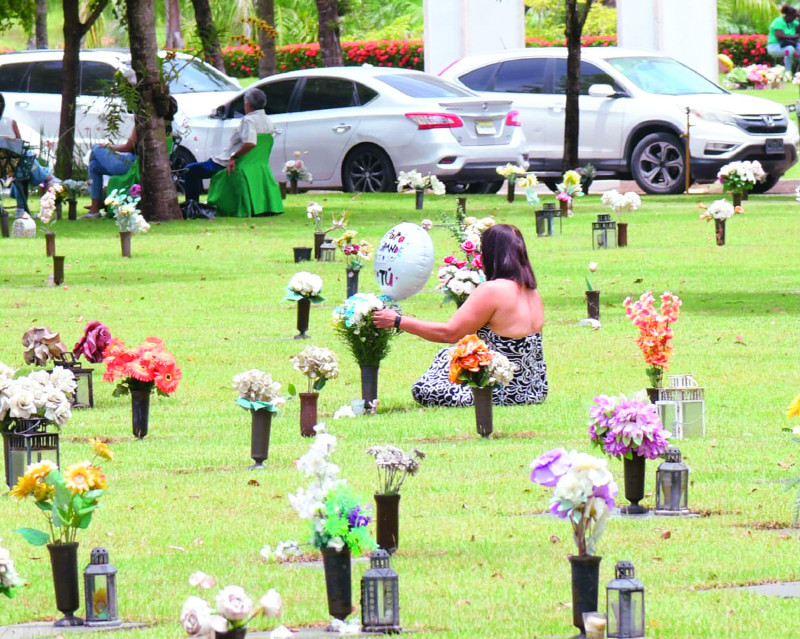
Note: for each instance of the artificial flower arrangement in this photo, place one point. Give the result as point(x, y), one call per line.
point(655, 330)
point(625, 427)
point(295, 170)
point(67, 499)
point(232, 608)
point(394, 466)
point(314, 213)
point(756, 76)
point(528, 182)
point(570, 187)
point(741, 176)
point(73, 189)
point(593, 266)
point(123, 207)
point(47, 204)
point(96, 337)
point(305, 285)
point(458, 278)
point(621, 203)
point(318, 364)
point(473, 364)
point(352, 322)
point(511, 172)
point(415, 181)
point(145, 367)
point(356, 255)
point(43, 394)
point(719, 210)
point(583, 492)
point(257, 391)
point(9, 579)
point(42, 344)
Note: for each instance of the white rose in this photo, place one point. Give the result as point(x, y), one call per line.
point(233, 603)
point(196, 617)
point(64, 380)
point(271, 603)
point(201, 579)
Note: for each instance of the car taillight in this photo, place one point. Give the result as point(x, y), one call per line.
point(512, 119)
point(435, 120)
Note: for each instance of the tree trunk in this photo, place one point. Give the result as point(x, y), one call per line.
point(159, 198)
point(575, 19)
point(265, 10)
point(207, 32)
point(41, 24)
point(174, 39)
point(329, 45)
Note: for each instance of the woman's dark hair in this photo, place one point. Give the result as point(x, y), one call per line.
point(505, 257)
point(788, 10)
point(2, 105)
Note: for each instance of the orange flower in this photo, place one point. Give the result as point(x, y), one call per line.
point(468, 355)
point(167, 378)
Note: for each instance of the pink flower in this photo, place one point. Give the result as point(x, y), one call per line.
point(563, 197)
point(461, 264)
point(135, 190)
point(95, 338)
point(477, 261)
point(450, 260)
point(468, 247)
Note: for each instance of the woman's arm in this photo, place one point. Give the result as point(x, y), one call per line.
point(129, 146)
point(15, 128)
point(783, 36)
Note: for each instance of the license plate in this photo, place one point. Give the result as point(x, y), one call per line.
point(486, 127)
point(774, 145)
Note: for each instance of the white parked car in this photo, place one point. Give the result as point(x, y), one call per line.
point(358, 127)
point(633, 111)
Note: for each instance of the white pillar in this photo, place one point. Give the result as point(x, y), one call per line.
point(458, 28)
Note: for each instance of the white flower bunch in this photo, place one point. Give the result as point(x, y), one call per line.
point(719, 210)
point(394, 466)
point(316, 362)
point(283, 551)
point(511, 171)
point(8, 574)
point(458, 283)
point(257, 386)
point(296, 169)
point(744, 172)
point(47, 205)
point(40, 394)
point(306, 284)
point(501, 370)
point(126, 214)
point(621, 203)
point(474, 228)
point(416, 181)
point(309, 501)
point(356, 312)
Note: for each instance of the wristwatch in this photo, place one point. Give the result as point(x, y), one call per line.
point(397, 321)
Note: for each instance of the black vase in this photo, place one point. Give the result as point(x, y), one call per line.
point(259, 437)
point(512, 184)
point(4, 231)
point(303, 312)
point(72, 209)
point(338, 582)
point(234, 633)
point(653, 394)
point(634, 470)
point(483, 410)
point(369, 386)
point(64, 563)
point(593, 304)
point(387, 513)
point(140, 412)
point(352, 282)
point(420, 199)
point(622, 234)
point(302, 254)
point(585, 587)
point(319, 239)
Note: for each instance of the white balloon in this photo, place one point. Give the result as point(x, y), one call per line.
point(404, 260)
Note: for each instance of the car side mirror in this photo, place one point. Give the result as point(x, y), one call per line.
point(602, 91)
point(219, 112)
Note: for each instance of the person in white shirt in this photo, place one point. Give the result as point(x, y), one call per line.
point(243, 141)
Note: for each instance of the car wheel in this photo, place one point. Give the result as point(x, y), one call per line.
point(658, 166)
point(368, 169)
point(178, 162)
point(766, 185)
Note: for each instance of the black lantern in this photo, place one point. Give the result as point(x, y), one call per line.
point(327, 251)
point(672, 485)
point(544, 220)
point(625, 604)
point(604, 232)
point(84, 394)
point(380, 605)
point(28, 442)
point(100, 588)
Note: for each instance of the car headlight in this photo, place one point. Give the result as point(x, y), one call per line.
point(720, 117)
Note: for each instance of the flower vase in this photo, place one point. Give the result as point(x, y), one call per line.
point(308, 413)
point(140, 412)
point(352, 282)
point(634, 471)
point(483, 410)
point(233, 633)
point(259, 437)
point(319, 238)
point(653, 394)
point(510, 193)
point(303, 311)
point(337, 582)
point(72, 210)
point(125, 242)
point(387, 509)
point(585, 587)
point(745, 195)
point(420, 198)
point(593, 305)
point(293, 186)
point(719, 228)
point(282, 189)
point(622, 234)
point(59, 212)
point(301, 254)
point(49, 243)
point(565, 208)
point(58, 270)
point(369, 386)
point(737, 199)
point(64, 563)
point(4, 230)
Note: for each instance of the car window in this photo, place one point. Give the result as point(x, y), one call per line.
point(95, 77)
point(480, 79)
point(278, 95)
point(45, 77)
point(327, 93)
point(12, 77)
point(423, 86)
point(590, 74)
point(663, 76)
point(522, 76)
point(365, 94)
point(192, 76)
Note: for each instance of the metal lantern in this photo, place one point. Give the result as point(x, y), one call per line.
point(327, 251)
point(682, 407)
point(604, 232)
point(380, 605)
point(672, 485)
point(84, 395)
point(100, 588)
point(625, 604)
point(544, 220)
point(28, 442)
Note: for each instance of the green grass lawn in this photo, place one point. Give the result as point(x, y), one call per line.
point(476, 558)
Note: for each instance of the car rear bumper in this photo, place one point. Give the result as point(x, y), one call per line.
point(707, 168)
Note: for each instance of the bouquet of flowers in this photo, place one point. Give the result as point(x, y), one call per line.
point(96, 337)
point(473, 364)
point(457, 280)
point(66, 499)
point(719, 210)
point(147, 366)
point(655, 331)
point(42, 394)
point(47, 204)
point(352, 321)
point(356, 255)
point(569, 187)
point(394, 466)
point(257, 390)
point(740, 177)
point(123, 207)
point(305, 284)
point(316, 363)
point(415, 181)
point(621, 203)
point(232, 608)
point(511, 172)
point(42, 344)
point(295, 170)
point(624, 427)
point(314, 212)
point(9, 579)
point(583, 492)
point(73, 189)
point(527, 183)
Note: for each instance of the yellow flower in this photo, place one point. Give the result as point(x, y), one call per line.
point(572, 178)
point(97, 479)
point(794, 408)
point(79, 477)
point(25, 486)
point(44, 491)
point(41, 469)
point(101, 449)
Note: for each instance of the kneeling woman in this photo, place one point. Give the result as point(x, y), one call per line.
point(506, 312)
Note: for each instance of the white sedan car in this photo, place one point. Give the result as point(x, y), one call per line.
point(358, 127)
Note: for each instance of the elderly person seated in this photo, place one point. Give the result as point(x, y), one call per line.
point(782, 40)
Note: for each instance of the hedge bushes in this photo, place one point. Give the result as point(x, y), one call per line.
point(745, 49)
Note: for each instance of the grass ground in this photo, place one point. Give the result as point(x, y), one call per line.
point(475, 558)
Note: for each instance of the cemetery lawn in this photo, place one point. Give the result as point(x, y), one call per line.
point(477, 558)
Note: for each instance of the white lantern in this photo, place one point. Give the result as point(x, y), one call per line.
point(682, 407)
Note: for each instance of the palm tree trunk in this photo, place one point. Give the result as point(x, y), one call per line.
point(265, 10)
point(207, 32)
point(329, 45)
point(575, 19)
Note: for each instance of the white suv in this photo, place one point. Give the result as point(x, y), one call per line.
point(632, 115)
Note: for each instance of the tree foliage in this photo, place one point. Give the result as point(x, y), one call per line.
point(746, 16)
point(21, 12)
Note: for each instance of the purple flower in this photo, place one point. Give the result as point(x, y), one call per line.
point(554, 510)
point(358, 517)
point(607, 492)
point(550, 467)
point(619, 422)
point(96, 337)
point(135, 190)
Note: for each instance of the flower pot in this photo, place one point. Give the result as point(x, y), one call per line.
point(483, 410)
point(634, 470)
point(293, 186)
point(64, 563)
point(737, 199)
point(719, 228)
point(585, 587)
point(566, 208)
point(337, 582)
point(125, 242)
point(622, 234)
point(302, 254)
point(512, 184)
point(58, 269)
point(49, 243)
point(319, 238)
point(72, 210)
point(593, 305)
point(303, 311)
point(282, 188)
point(233, 633)
point(259, 437)
point(386, 516)
point(140, 412)
point(4, 230)
point(369, 386)
point(308, 413)
point(420, 199)
point(59, 212)
point(652, 394)
point(352, 282)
